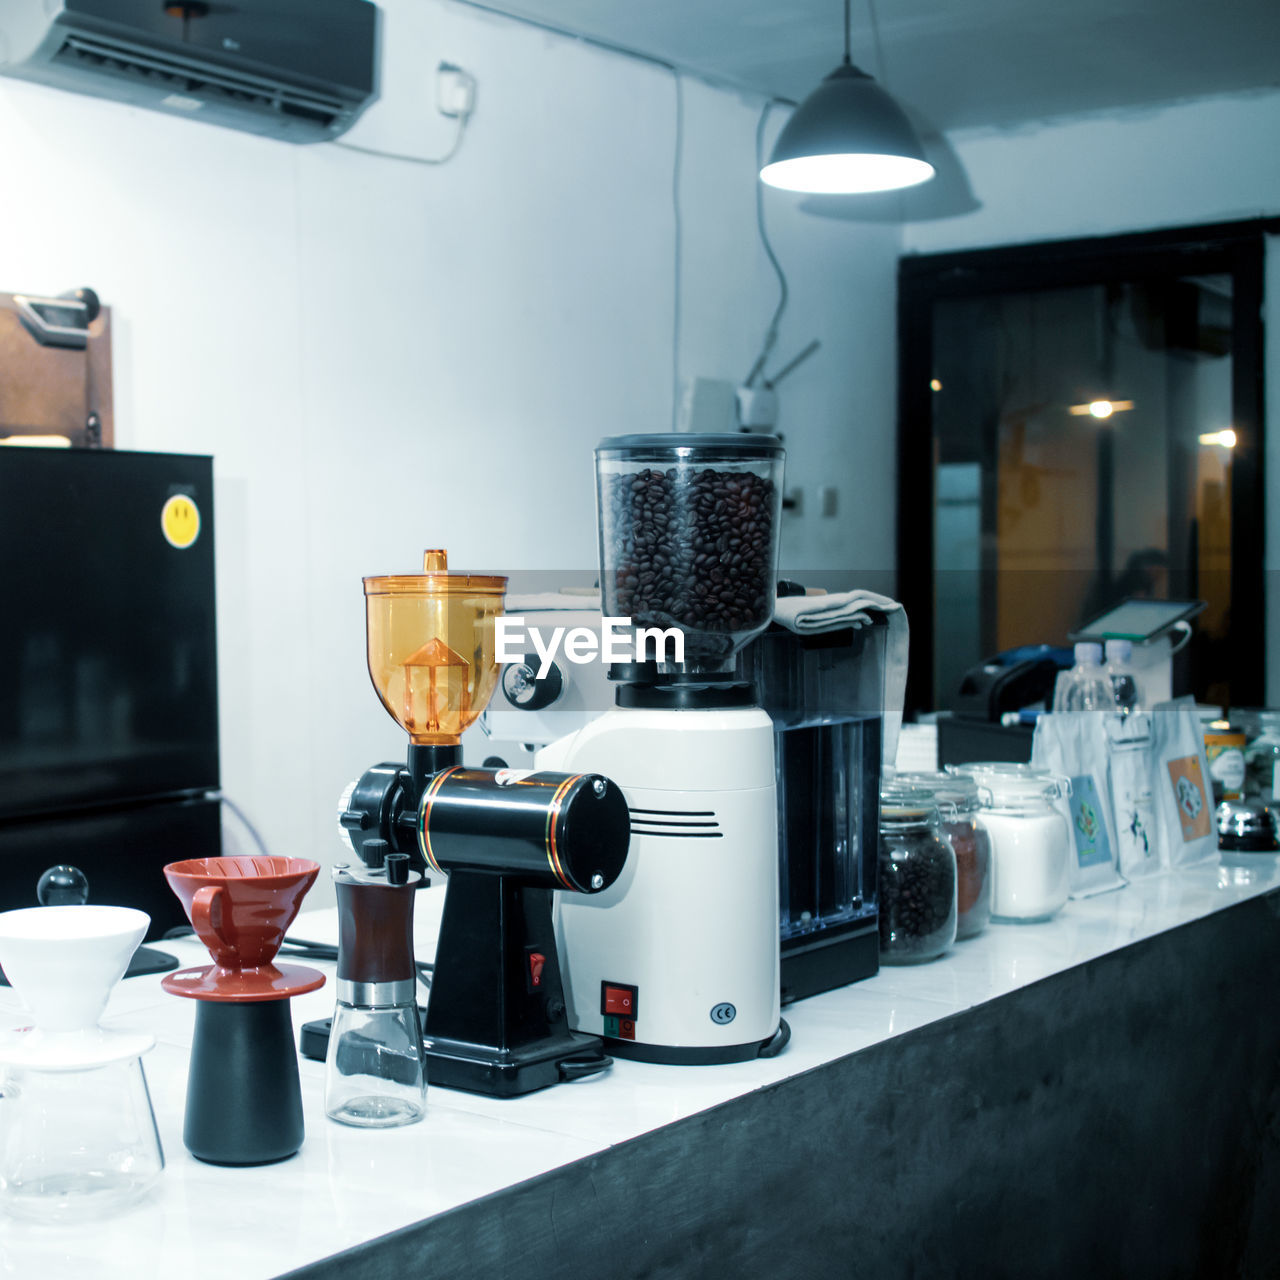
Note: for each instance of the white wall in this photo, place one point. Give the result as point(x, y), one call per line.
point(1214, 160)
point(382, 357)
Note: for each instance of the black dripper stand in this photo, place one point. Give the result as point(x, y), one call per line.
point(66, 886)
point(244, 1100)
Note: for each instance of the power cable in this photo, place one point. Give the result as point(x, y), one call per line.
point(408, 159)
point(771, 334)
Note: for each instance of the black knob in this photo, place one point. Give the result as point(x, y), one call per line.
point(397, 868)
point(374, 852)
point(63, 887)
point(523, 688)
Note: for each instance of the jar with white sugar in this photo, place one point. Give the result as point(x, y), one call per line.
point(1030, 840)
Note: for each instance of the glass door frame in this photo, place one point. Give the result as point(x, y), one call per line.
point(1236, 249)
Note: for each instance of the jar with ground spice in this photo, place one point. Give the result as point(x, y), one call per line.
point(959, 800)
point(917, 875)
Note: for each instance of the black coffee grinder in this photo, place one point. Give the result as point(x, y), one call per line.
point(495, 1021)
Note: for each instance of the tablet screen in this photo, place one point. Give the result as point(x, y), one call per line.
point(1139, 619)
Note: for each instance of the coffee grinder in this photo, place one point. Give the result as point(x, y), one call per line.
point(678, 961)
point(495, 1019)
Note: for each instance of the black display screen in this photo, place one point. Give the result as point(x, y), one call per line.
point(108, 659)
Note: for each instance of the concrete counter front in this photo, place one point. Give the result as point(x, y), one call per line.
point(1098, 1095)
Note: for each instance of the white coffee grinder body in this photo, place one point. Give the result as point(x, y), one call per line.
point(678, 961)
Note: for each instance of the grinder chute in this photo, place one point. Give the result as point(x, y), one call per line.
point(495, 1021)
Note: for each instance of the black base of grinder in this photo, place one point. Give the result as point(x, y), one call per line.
point(496, 1021)
point(244, 1100)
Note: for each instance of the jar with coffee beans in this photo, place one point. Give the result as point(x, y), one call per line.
point(917, 876)
point(689, 529)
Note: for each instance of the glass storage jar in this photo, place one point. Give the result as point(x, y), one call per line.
point(917, 877)
point(1030, 839)
point(959, 800)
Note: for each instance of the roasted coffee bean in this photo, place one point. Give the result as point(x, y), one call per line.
point(694, 548)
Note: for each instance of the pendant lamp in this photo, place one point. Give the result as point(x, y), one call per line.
point(847, 136)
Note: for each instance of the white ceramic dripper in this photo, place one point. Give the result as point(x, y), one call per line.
point(63, 962)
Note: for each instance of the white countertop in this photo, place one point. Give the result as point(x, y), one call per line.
point(348, 1186)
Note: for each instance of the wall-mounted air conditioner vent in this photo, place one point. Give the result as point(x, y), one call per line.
point(302, 70)
point(200, 84)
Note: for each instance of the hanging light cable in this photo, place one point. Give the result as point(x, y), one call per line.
point(847, 136)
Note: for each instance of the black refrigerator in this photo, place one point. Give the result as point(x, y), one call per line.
point(108, 672)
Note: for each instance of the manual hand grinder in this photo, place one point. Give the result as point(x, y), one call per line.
point(496, 1016)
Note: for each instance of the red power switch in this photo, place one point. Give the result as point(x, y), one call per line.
point(617, 1000)
point(536, 961)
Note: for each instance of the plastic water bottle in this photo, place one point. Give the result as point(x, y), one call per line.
point(1124, 683)
point(1086, 687)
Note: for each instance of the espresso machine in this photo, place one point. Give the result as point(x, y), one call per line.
point(677, 962)
point(496, 1019)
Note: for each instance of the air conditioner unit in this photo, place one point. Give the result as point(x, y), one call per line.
point(301, 70)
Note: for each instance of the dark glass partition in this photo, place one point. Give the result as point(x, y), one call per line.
point(1080, 423)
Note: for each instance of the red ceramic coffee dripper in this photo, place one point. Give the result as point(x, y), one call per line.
point(240, 909)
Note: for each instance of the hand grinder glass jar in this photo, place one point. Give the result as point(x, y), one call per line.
point(1030, 839)
point(917, 871)
point(959, 800)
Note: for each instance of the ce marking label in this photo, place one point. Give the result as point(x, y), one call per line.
point(723, 1014)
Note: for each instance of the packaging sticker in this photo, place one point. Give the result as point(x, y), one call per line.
point(1093, 845)
point(180, 521)
point(1189, 795)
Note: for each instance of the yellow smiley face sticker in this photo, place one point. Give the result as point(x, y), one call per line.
point(180, 521)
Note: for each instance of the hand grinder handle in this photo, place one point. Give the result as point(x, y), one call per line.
point(552, 830)
point(375, 932)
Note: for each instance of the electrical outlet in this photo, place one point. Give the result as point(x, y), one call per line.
point(827, 499)
point(455, 91)
point(793, 501)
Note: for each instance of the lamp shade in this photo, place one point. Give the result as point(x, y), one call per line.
point(847, 136)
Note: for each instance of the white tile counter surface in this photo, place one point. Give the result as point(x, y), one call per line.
point(348, 1186)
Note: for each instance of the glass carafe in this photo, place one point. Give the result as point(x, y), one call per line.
point(76, 1144)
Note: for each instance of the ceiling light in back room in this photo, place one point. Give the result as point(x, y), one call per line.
point(847, 137)
point(1100, 408)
